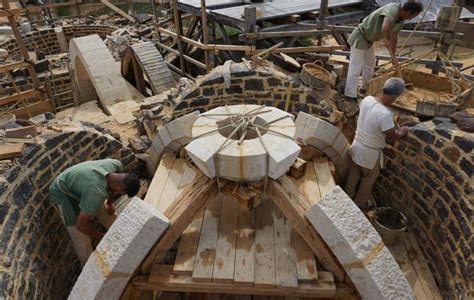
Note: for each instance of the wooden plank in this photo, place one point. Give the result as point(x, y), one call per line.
point(170, 190)
point(206, 252)
point(182, 283)
point(21, 132)
point(323, 172)
point(308, 184)
point(245, 248)
point(286, 274)
point(293, 204)
point(11, 150)
point(188, 176)
point(224, 264)
point(421, 267)
point(305, 260)
point(118, 10)
point(400, 254)
point(186, 256)
point(180, 214)
point(158, 182)
point(264, 245)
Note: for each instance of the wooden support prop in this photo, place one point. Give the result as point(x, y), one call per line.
point(163, 279)
point(118, 10)
point(187, 58)
point(293, 204)
point(179, 35)
point(323, 11)
point(298, 168)
point(180, 214)
point(267, 51)
point(250, 23)
point(205, 33)
point(13, 66)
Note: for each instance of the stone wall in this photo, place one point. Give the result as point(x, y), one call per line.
point(38, 261)
point(428, 176)
point(257, 86)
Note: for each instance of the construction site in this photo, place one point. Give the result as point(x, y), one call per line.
point(233, 115)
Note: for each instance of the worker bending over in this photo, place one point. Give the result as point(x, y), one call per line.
point(384, 23)
point(375, 126)
point(79, 193)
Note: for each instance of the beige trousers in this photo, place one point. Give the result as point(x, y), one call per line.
point(360, 181)
point(81, 241)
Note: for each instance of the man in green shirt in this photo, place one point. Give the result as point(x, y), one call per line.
point(79, 193)
point(384, 23)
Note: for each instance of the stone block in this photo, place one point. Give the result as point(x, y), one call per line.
point(358, 247)
point(120, 252)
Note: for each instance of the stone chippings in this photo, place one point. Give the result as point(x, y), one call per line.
point(428, 176)
point(38, 259)
point(358, 247)
point(120, 252)
point(271, 88)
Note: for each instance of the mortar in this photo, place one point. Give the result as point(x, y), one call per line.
point(428, 87)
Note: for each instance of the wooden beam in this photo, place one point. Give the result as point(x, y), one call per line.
point(13, 66)
point(308, 49)
point(274, 34)
point(118, 10)
point(179, 35)
point(19, 96)
point(180, 214)
point(162, 279)
point(187, 58)
point(205, 33)
point(293, 204)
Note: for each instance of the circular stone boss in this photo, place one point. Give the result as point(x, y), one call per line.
point(226, 142)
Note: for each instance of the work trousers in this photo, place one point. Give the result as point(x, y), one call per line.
point(360, 181)
point(359, 61)
point(81, 241)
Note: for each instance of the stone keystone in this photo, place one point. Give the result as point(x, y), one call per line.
point(120, 252)
point(358, 247)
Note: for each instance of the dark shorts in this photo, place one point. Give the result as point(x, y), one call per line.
point(70, 211)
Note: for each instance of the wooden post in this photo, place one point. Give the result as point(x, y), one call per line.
point(323, 9)
point(153, 6)
point(250, 17)
point(205, 32)
point(23, 50)
point(179, 32)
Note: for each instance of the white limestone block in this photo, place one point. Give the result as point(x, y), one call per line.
point(120, 252)
point(95, 69)
point(247, 161)
point(325, 137)
point(358, 247)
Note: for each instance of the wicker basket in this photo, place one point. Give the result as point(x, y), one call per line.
point(435, 108)
point(315, 76)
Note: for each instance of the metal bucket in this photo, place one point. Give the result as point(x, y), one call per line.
point(389, 222)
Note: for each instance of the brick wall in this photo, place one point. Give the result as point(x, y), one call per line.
point(38, 261)
point(261, 86)
point(46, 41)
point(428, 176)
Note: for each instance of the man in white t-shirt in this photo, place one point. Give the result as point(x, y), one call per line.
point(375, 126)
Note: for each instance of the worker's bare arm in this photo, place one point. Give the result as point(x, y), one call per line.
point(387, 27)
point(394, 42)
point(84, 225)
point(395, 133)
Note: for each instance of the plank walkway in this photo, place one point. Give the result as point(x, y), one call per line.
point(231, 11)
